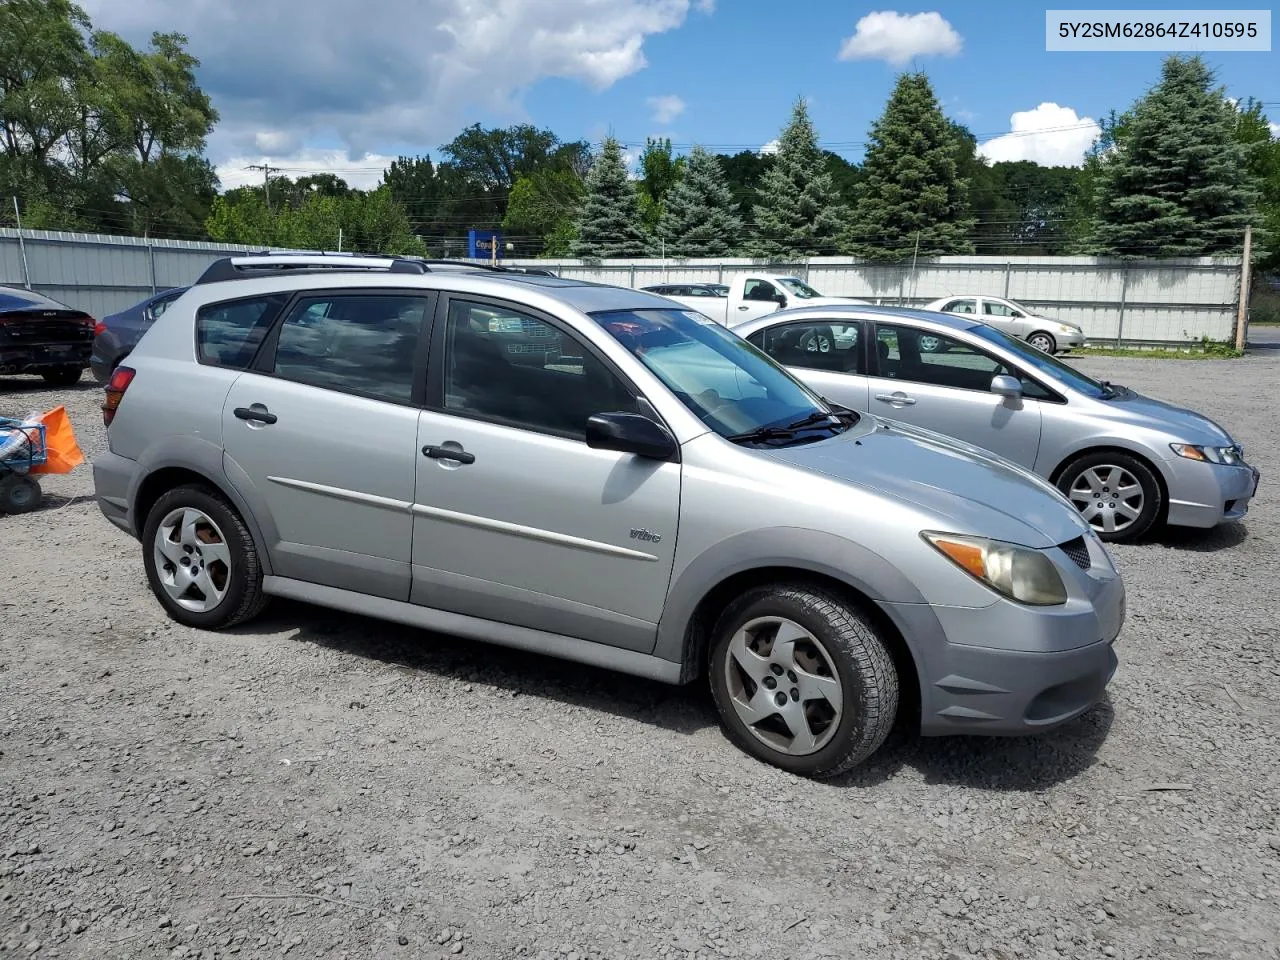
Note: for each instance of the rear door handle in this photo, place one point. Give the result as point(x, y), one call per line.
point(257, 412)
point(448, 453)
point(898, 399)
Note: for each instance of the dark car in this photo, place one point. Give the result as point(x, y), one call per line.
point(119, 333)
point(42, 336)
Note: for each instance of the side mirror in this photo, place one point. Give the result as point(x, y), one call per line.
point(1006, 386)
point(1017, 314)
point(630, 433)
point(780, 299)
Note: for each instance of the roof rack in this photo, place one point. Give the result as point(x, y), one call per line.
point(267, 263)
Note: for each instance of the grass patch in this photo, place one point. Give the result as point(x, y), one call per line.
point(1215, 352)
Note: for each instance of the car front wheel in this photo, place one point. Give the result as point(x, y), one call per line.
point(1043, 341)
point(200, 559)
point(802, 679)
point(1117, 494)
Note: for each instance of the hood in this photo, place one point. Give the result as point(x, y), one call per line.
point(1182, 425)
point(970, 490)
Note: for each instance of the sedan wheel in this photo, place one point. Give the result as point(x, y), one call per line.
point(802, 679)
point(1043, 341)
point(1116, 494)
point(929, 344)
point(816, 342)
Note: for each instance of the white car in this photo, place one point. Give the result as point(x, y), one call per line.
point(748, 296)
point(1011, 317)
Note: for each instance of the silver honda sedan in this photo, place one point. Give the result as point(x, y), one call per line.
point(1128, 462)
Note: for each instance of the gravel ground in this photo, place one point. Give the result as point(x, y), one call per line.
point(316, 784)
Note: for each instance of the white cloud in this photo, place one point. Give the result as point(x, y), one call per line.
point(666, 108)
point(769, 148)
point(898, 37)
point(1274, 128)
point(705, 6)
point(1049, 135)
point(398, 74)
point(360, 172)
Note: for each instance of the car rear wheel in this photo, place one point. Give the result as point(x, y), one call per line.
point(1043, 341)
point(19, 493)
point(62, 376)
point(200, 559)
point(1117, 494)
point(802, 679)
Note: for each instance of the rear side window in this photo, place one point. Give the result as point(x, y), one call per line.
point(353, 344)
point(228, 334)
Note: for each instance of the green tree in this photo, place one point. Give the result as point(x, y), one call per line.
point(544, 206)
point(699, 217)
point(743, 172)
point(609, 223)
point(911, 191)
point(659, 172)
point(1176, 183)
point(1262, 159)
point(797, 212)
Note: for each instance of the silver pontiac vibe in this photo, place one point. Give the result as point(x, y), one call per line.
point(597, 474)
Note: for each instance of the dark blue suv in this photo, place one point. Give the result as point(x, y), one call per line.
point(115, 336)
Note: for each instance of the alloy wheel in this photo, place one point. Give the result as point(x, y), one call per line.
point(783, 685)
point(192, 559)
point(1110, 498)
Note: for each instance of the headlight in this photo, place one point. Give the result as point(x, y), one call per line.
point(1230, 456)
point(1019, 573)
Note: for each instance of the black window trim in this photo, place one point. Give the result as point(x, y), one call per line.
point(874, 357)
point(861, 348)
point(264, 360)
point(434, 392)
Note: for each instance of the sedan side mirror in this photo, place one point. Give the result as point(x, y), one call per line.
point(780, 299)
point(630, 433)
point(1017, 314)
point(1006, 386)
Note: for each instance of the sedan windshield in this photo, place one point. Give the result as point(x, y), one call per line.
point(798, 287)
point(1046, 363)
point(734, 388)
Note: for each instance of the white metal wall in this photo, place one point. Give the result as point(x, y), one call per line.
point(1153, 301)
point(1150, 300)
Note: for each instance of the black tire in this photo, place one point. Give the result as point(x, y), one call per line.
point(244, 598)
point(817, 340)
point(1043, 340)
point(865, 668)
point(62, 376)
point(1152, 493)
point(19, 493)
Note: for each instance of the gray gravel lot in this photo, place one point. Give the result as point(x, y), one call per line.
point(320, 785)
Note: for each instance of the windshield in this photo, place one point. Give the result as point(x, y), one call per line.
point(729, 384)
point(799, 288)
point(1046, 363)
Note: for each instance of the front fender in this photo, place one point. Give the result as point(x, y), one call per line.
point(796, 548)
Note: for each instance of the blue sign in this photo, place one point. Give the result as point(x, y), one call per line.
point(480, 244)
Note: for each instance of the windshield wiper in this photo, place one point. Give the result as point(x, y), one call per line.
point(780, 432)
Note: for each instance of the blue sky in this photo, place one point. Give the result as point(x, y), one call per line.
point(323, 85)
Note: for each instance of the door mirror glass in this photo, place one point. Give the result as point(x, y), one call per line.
point(1006, 386)
point(629, 433)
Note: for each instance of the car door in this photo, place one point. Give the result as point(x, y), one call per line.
point(943, 383)
point(516, 519)
point(321, 435)
point(996, 313)
point(758, 299)
point(829, 356)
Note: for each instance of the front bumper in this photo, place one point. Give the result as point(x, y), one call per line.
point(1067, 341)
point(1206, 494)
point(1009, 669)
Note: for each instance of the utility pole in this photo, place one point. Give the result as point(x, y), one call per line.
point(267, 170)
point(1242, 317)
point(22, 246)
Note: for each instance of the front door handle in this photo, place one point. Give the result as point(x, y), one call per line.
point(744, 307)
point(257, 412)
point(448, 453)
point(897, 399)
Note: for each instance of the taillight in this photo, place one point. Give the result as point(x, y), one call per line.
point(116, 386)
point(99, 328)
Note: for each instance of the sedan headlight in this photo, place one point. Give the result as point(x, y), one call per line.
point(1066, 328)
point(1020, 573)
point(1230, 456)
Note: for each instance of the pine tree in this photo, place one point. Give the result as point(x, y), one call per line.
point(911, 185)
point(609, 224)
point(699, 217)
point(798, 212)
point(1176, 183)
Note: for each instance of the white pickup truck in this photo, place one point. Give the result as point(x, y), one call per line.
point(750, 295)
